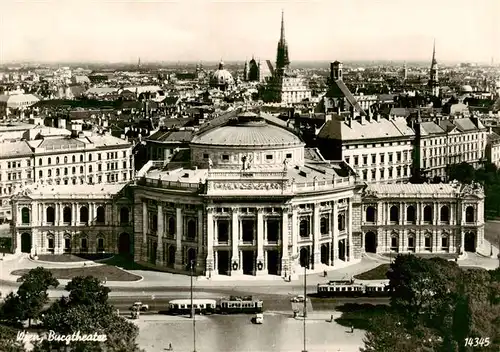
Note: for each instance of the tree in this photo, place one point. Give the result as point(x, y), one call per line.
point(86, 310)
point(30, 298)
point(8, 341)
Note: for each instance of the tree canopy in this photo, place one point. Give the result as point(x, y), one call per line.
point(435, 306)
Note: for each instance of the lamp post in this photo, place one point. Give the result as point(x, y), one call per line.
point(305, 302)
point(193, 312)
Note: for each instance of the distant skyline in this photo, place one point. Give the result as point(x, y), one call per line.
point(204, 30)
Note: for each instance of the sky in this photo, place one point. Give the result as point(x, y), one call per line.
point(209, 30)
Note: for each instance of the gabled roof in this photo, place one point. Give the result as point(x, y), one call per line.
point(14, 149)
point(431, 128)
point(465, 125)
point(171, 136)
point(338, 89)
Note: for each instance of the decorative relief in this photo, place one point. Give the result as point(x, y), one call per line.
point(247, 186)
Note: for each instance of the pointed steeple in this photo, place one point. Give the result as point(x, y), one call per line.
point(282, 36)
point(434, 61)
point(282, 60)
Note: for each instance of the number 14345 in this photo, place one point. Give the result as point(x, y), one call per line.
point(477, 341)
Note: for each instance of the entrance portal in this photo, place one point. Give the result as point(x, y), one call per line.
point(370, 242)
point(124, 244)
point(342, 250)
point(325, 257)
point(273, 262)
point(304, 257)
point(223, 262)
point(248, 262)
point(26, 242)
point(470, 242)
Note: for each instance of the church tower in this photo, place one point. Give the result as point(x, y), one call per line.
point(434, 79)
point(282, 59)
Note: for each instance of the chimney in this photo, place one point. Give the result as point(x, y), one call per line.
point(362, 119)
point(376, 117)
point(369, 115)
point(349, 121)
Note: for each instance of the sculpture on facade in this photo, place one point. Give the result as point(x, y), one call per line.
point(246, 160)
point(210, 163)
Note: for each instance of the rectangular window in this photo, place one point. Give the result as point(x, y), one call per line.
point(289, 155)
point(382, 158)
point(205, 156)
point(269, 157)
point(225, 157)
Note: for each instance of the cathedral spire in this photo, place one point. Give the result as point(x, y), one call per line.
point(434, 61)
point(282, 60)
point(434, 75)
point(282, 36)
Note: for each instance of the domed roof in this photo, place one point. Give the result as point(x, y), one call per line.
point(221, 76)
point(248, 130)
point(466, 88)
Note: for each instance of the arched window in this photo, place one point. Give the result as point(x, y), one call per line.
point(73, 170)
point(469, 214)
point(50, 161)
point(411, 214)
point(25, 215)
point(341, 222)
point(124, 214)
point(81, 158)
point(57, 160)
point(73, 158)
point(100, 244)
point(191, 229)
point(84, 245)
point(394, 214)
point(84, 214)
point(171, 226)
point(50, 215)
point(323, 225)
point(428, 214)
point(67, 214)
point(445, 213)
point(81, 169)
point(304, 228)
point(370, 214)
point(65, 170)
point(65, 159)
point(100, 216)
point(40, 162)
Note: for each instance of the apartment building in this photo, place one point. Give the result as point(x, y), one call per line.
point(378, 149)
point(450, 141)
point(62, 160)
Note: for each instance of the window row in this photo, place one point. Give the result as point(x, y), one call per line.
point(83, 215)
point(411, 214)
point(324, 225)
point(171, 226)
point(111, 155)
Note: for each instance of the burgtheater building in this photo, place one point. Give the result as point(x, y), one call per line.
point(247, 198)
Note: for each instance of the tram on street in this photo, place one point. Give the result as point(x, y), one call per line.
point(183, 306)
point(238, 305)
point(352, 289)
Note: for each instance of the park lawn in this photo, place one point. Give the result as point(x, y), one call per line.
point(378, 273)
point(424, 255)
point(73, 258)
point(102, 272)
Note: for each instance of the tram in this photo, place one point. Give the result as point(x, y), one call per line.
point(352, 289)
point(183, 306)
point(238, 305)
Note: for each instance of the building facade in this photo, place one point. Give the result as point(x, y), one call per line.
point(423, 218)
point(61, 160)
point(247, 202)
point(72, 219)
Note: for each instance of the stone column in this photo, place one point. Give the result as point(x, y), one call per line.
point(335, 231)
point(401, 213)
point(261, 261)
point(17, 245)
point(159, 247)
point(349, 233)
point(452, 214)
point(235, 241)
point(199, 240)
point(418, 221)
point(145, 222)
point(285, 260)
point(73, 214)
point(316, 237)
point(179, 222)
point(210, 263)
point(57, 215)
point(295, 231)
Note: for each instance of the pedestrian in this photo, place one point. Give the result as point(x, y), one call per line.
point(324, 273)
point(289, 278)
point(331, 318)
point(352, 328)
point(170, 347)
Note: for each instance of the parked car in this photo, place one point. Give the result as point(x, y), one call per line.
point(297, 299)
point(258, 318)
point(139, 306)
